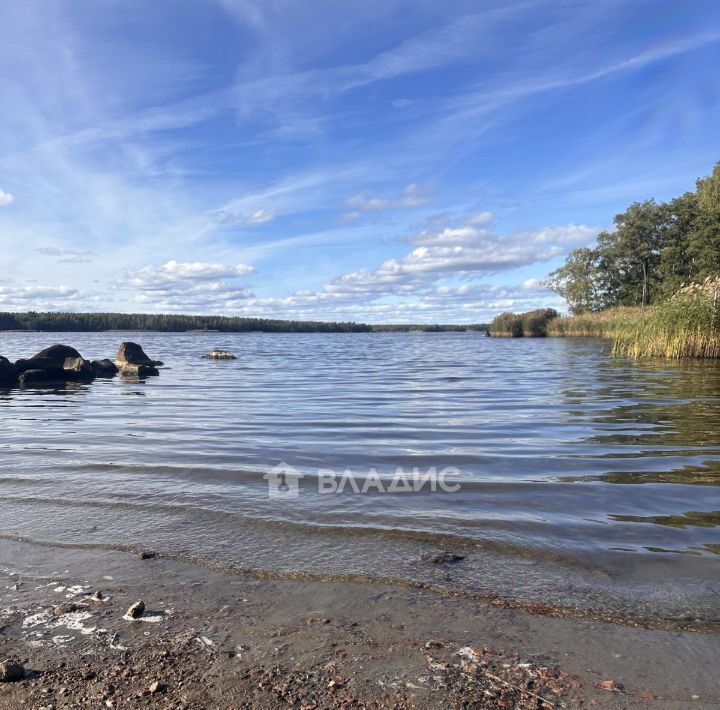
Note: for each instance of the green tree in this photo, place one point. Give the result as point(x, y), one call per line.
point(704, 239)
point(578, 281)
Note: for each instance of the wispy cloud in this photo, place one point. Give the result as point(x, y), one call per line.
point(413, 196)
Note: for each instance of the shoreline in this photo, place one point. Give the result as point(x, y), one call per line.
point(530, 606)
point(234, 640)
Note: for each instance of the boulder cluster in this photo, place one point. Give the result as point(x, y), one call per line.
point(62, 363)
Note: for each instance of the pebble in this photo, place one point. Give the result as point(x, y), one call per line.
point(136, 610)
point(65, 608)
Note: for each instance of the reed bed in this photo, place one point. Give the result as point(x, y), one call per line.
point(605, 324)
point(532, 324)
point(686, 326)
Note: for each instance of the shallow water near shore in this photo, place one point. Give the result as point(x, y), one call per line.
point(585, 481)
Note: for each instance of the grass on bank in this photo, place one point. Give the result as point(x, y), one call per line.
point(686, 326)
point(605, 324)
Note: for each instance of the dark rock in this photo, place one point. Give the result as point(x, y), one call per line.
point(443, 558)
point(34, 377)
point(58, 354)
point(11, 672)
point(220, 355)
point(8, 373)
point(104, 368)
point(133, 354)
point(38, 363)
point(79, 369)
point(136, 610)
point(147, 555)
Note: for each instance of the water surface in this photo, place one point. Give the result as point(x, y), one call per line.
point(585, 481)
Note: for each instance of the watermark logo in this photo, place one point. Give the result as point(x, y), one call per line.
point(284, 481)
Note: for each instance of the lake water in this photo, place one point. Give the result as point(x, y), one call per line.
point(584, 481)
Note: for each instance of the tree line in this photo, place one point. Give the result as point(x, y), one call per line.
point(653, 249)
point(171, 323)
point(96, 322)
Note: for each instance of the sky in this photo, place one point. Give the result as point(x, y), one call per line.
point(384, 161)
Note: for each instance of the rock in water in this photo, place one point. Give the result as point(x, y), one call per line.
point(78, 368)
point(104, 368)
point(39, 363)
point(59, 363)
point(138, 371)
point(34, 377)
point(8, 373)
point(133, 354)
point(136, 610)
point(58, 354)
point(220, 355)
point(11, 672)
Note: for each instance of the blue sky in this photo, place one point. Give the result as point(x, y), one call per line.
point(374, 160)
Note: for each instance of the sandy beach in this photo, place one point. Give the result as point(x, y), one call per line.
point(208, 639)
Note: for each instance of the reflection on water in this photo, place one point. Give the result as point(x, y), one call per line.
point(552, 439)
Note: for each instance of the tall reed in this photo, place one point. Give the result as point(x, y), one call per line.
point(604, 324)
point(686, 326)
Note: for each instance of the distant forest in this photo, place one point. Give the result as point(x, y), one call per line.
point(98, 322)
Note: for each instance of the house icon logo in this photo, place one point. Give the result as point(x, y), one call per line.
point(283, 481)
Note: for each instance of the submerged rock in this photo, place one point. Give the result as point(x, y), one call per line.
point(11, 672)
point(138, 371)
point(443, 558)
point(220, 355)
point(133, 354)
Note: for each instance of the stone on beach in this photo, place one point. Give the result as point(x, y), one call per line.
point(136, 610)
point(11, 672)
point(65, 608)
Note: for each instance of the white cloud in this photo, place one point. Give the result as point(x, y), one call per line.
point(43, 298)
point(417, 283)
point(413, 196)
point(5, 198)
point(260, 217)
point(192, 287)
point(180, 274)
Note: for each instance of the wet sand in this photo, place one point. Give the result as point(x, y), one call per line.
point(214, 640)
